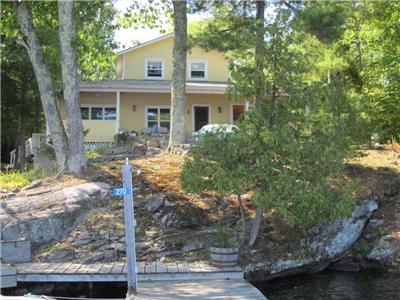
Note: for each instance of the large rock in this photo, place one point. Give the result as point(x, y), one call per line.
point(49, 217)
point(153, 151)
point(385, 250)
point(154, 202)
point(58, 256)
point(32, 185)
point(324, 244)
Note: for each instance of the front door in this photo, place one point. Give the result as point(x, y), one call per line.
point(201, 117)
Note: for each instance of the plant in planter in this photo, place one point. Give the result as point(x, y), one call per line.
point(224, 253)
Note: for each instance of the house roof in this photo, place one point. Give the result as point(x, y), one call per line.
point(151, 86)
point(146, 43)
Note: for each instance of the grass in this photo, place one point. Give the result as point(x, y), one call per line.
point(92, 154)
point(16, 179)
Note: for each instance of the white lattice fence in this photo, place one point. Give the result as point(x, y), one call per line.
point(98, 145)
point(41, 161)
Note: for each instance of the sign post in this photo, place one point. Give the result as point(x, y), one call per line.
point(130, 224)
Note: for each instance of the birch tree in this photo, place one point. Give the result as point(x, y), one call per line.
point(77, 161)
point(31, 42)
point(178, 85)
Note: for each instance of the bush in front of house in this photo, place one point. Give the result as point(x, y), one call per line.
point(219, 130)
point(121, 138)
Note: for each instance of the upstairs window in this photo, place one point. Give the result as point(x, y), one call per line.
point(154, 69)
point(198, 70)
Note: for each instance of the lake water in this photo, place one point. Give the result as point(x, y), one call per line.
point(334, 285)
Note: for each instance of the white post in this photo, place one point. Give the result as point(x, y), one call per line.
point(130, 224)
point(117, 111)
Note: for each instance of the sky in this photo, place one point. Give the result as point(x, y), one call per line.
point(125, 37)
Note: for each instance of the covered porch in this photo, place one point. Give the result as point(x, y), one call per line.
point(137, 106)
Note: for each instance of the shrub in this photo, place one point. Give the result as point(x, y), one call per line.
point(16, 179)
point(121, 138)
point(92, 154)
point(223, 240)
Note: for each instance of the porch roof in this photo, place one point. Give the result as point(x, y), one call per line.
point(151, 86)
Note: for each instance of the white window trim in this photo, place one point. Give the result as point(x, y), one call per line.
point(205, 62)
point(209, 114)
point(103, 106)
point(231, 107)
point(146, 107)
point(147, 60)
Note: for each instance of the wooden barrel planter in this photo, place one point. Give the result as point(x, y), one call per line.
point(224, 257)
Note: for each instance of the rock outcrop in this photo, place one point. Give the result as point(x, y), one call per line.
point(324, 244)
point(49, 217)
point(385, 249)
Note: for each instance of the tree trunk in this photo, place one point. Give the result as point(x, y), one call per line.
point(243, 217)
point(36, 121)
point(31, 42)
point(256, 226)
point(178, 87)
point(77, 160)
point(258, 54)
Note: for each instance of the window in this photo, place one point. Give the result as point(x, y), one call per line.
point(157, 117)
point(198, 70)
point(85, 113)
point(98, 112)
point(154, 69)
point(110, 113)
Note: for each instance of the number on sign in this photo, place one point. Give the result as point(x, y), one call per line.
point(122, 191)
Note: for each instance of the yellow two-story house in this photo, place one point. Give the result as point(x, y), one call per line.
point(140, 97)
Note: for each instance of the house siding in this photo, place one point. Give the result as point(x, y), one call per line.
point(120, 61)
point(135, 60)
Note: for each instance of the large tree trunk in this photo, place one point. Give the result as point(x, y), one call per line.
point(256, 226)
point(77, 160)
point(31, 42)
point(258, 54)
point(178, 88)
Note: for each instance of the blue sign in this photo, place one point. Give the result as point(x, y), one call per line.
point(122, 191)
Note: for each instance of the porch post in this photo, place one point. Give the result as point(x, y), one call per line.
point(117, 112)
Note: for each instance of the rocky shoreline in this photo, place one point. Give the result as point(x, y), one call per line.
point(84, 223)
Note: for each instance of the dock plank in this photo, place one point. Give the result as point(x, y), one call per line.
point(51, 268)
point(150, 267)
point(195, 267)
point(72, 269)
point(62, 268)
point(172, 267)
point(161, 267)
point(117, 268)
point(183, 267)
point(106, 268)
point(141, 266)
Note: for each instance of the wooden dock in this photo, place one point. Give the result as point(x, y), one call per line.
point(116, 272)
point(237, 289)
point(157, 280)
